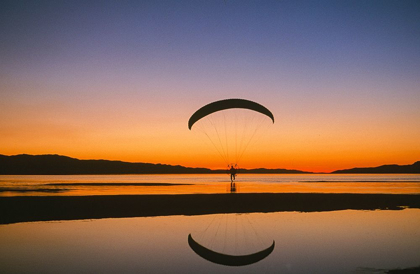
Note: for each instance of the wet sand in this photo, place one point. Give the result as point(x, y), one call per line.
point(53, 208)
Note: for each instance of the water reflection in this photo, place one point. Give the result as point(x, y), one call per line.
point(228, 259)
point(82, 185)
point(314, 232)
point(316, 242)
point(232, 231)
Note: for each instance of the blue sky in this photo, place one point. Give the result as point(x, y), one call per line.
point(117, 69)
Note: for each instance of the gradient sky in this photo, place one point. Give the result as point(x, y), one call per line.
point(119, 79)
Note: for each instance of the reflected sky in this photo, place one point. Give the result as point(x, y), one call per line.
point(320, 242)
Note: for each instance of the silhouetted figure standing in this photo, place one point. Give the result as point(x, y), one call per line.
point(232, 172)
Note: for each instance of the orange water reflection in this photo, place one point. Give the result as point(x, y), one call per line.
point(317, 242)
point(77, 185)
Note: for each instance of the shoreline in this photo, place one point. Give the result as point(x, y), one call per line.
point(57, 208)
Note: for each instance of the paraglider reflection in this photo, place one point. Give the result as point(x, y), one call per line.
point(226, 259)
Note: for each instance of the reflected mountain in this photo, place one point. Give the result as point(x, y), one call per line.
point(411, 270)
point(368, 270)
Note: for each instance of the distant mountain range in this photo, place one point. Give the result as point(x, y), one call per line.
point(62, 165)
point(414, 168)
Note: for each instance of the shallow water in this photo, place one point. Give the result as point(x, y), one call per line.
point(69, 185)
point(338, 241)
point(346, 241)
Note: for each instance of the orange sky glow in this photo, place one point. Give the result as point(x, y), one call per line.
point(120, 83)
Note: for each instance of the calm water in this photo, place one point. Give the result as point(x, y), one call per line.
point(15, 185)
point(344, 241)
point(322, 242)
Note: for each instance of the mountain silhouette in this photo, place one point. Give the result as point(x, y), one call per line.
point(414, 168)
point(62, 165)
point(24, 164)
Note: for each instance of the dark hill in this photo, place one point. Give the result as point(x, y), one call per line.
point(61, 165)
point(414, 168)
point(273, 171)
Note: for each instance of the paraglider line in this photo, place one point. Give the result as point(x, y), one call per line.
point(220, 141)
point(226, 140)
point(252, 137)
point(221, 153)
point(236, 139)
point(217, 149)
point(253, 229)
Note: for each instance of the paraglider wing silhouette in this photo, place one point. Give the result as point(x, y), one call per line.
point(228, 104)
point(225, 259)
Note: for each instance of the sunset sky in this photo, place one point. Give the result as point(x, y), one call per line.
point(119, 80)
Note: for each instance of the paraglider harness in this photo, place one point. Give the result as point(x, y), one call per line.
point(232, 170)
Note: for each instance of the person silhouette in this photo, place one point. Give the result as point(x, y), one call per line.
point(232, 171)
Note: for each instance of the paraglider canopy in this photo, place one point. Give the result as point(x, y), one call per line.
point(228, 104)
point(231, 125)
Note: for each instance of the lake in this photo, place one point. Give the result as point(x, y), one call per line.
point(68, 185)
point(367, 227)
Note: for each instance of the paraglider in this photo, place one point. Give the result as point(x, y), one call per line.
point(228, 104)
point(231, 125)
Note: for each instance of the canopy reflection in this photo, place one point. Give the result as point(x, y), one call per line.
point(226, 259)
